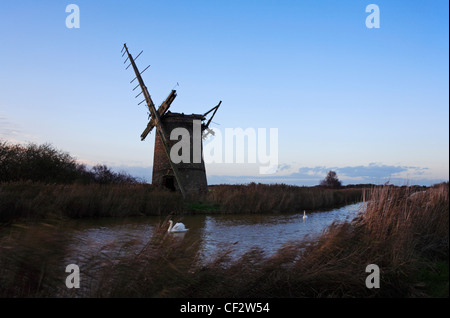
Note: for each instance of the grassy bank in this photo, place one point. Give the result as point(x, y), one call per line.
point(276, 198)
point(402, 231)
point(43, 200)
point(31, 200)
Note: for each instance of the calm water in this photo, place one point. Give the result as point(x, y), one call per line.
point(208, 235)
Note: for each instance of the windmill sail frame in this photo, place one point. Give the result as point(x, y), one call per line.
point(157, 118)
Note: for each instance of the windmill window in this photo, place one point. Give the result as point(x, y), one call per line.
point(169, 182)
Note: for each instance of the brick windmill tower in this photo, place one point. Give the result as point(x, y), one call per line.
point(187, 175)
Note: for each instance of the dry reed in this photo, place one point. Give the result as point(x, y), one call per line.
point(404, 232)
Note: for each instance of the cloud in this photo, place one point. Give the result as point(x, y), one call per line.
point(284, 167)
point(7, 129)
point(10, 131)
point(372, 173)
point(310, 176)
point(374, 170)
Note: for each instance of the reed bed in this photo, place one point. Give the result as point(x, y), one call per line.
point(402, 231)
point(276, 198)
point(19, 200)
point(39, 200)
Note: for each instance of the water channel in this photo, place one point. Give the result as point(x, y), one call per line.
point(208, 235)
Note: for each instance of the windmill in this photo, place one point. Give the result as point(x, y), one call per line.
point(183, 176)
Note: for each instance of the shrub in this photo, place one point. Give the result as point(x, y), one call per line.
point(46, 164)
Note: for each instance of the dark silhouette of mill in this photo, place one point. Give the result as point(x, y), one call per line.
point(184, 176)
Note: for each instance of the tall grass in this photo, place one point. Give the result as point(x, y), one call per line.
point(30, 200)
point(404, 232)
point(41, 200)
point(276, 198)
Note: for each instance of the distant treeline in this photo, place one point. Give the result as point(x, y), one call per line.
point(44, 163)
point(372, 186)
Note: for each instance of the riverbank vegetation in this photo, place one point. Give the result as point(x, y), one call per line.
point(403, 232)
point(35, 200)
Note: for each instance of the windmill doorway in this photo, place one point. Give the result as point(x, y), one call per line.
point(169, 182)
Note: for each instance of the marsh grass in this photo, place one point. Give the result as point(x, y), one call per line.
point(278, 198)
point(37, 200)
point(404, 232)
point(27, 271)
point(19, 200)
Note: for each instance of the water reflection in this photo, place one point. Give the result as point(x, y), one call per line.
point(266, 232)
point(208, 236)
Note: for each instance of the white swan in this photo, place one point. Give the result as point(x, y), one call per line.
point(304, 215)
point(178, 227)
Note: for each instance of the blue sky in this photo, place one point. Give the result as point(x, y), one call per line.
point(372, 104)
